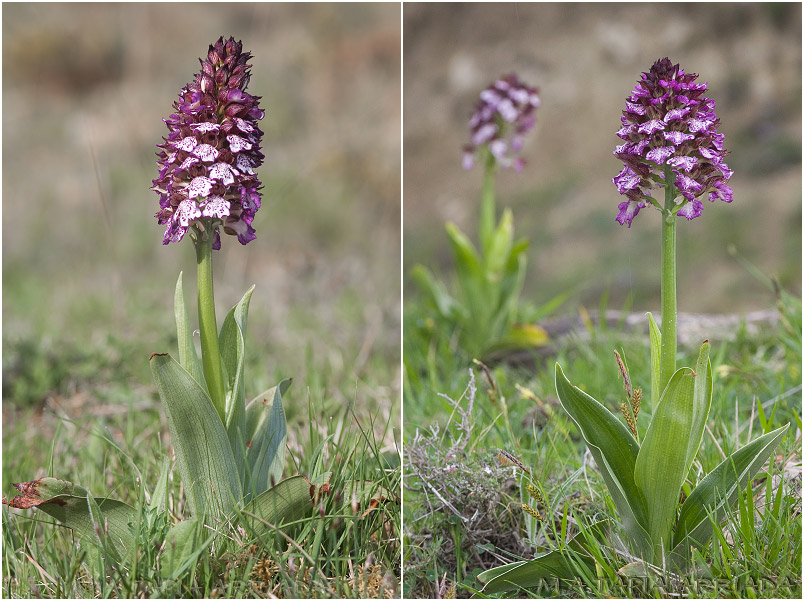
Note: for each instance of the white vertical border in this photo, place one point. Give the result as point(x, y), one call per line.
point(401, 299)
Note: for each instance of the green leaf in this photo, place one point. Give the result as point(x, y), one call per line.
point(98, 521)
point(266, 432)
point(184, 544)
point(660, 466)
point(551, 564)
point(107, 542)
point(437, 293)
point(466, 257)
point(471, 276)
point(615, 452)
point(203, 454)
point(655, 361)
point(720, 488)
point(520, 336)
point(287, 502)
point(232, 342)
point(513, 277)
point(507, 291)
point(701, 404)
point(501, 242)
point(188, 358)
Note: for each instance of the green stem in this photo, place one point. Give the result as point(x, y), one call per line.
point(488, 208)
point(667, 364)
point(207, 324)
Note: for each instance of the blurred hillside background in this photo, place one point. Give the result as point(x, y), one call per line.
point(585, 59)
point(87, 284)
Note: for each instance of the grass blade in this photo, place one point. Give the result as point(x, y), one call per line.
point(720, 488)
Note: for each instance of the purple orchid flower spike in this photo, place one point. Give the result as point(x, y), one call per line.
point(207, 162)
point(670, 130)
point(502, 117)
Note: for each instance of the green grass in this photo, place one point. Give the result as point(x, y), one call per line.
point(757, 386)
point(331, 554)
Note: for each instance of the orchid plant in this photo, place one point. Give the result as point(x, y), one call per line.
point(671, 144)
point(482, 312)
point(230, 453)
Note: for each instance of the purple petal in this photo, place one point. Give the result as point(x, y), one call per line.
point(498, 148)
point(659, 155)
point(205, 127)
point(636, 108)
point(507, 109)
point(684, 163)
point(205, 152)
point(626, 180)
point(677, 137)
point(722, 192)
point(678, 113)
point(686, 184)
point(244, 163)
point(216, 207)
point(698, 125)
point(200, 186)
point(692, 209)
point(187, 144)
point(651, 126)
point(222, 172)
point(628, 210)
point(485, 133)
point(236, 143)
point(243, 125)
point(186, 212)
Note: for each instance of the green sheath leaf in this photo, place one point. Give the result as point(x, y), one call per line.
point(702, 402)
point(287, 502)
point(615, 452)
point(203, 454)
point(188, 358)
point(552, 564)
point(232, 343)
point(267, 433)
point(183, 546)
point(655, 361)
point(661, 464)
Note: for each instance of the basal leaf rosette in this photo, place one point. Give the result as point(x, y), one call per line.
point(207, 163)
point(504, 114)
point(671, 138)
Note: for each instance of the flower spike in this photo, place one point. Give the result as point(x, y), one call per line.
point(502, 117)
point(670, 128)
point(206, 164)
